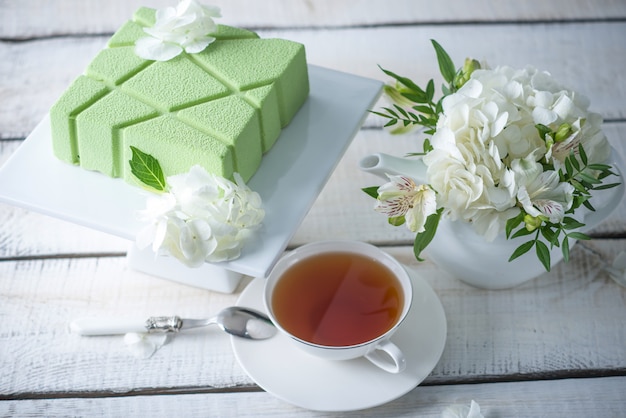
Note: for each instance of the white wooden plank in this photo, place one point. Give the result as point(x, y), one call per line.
point(341, 210)
point(38, 354)
point(568, 321)
point(36, 18)
point(599, 397)
point(34, 74)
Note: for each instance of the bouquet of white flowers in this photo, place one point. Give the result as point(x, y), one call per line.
point(506, 150)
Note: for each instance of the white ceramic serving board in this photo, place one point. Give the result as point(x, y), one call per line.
point(290, 177)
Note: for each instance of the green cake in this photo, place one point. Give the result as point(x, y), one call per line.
point(221, 108)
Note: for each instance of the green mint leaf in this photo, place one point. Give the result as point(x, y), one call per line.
point(147, 169)
point(446, 66)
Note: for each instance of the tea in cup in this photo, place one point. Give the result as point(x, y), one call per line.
point(341, 300)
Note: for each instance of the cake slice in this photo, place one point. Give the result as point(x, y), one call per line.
point(221, 108)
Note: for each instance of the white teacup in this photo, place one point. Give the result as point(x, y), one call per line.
point(340, 300)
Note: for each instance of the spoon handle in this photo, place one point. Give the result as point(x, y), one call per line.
point(113, 326)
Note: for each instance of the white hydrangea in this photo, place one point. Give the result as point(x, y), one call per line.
point(485, 137)
point(186, 27)
point(202, 218)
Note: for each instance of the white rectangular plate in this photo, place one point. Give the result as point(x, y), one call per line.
point(290, 177)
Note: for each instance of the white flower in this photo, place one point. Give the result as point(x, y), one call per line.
point(184, 27)
point(462, 411)
point(488, 127)
point(465, 166)
point(541, 192)
point(586, 132)
point(402, 197)
point(202, 218)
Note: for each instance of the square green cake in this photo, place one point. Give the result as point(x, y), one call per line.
point(222, 108)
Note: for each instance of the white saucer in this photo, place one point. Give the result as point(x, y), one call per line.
point(288, 373)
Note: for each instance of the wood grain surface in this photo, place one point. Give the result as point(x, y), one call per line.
point(554, 347)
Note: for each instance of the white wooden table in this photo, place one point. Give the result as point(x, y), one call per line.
point(555, 346)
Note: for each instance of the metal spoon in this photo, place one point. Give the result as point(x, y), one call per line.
point(235, 320)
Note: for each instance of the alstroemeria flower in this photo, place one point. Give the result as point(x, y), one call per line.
point(202, 218)
point(540, 192)
point(402, 197)
point(186, 27)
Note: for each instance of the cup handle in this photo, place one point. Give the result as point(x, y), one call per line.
point(388, 357)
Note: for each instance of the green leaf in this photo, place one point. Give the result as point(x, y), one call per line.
point(543, 253)
point(391, 112)
point(513, 223)
point(521, 232)
point(416, 97)
point(371, 191)
point(589, 179)
point(521, 250)
point(578, 236)
point(551, 236)
point(565, 249)
point(543, 130)
point(384, 115)
point(446, 66)
point(147, 169)
point(424, 109)
point(430, 90)
point(571, 223)
point(401, 110)
point(582, 154)
point(599, 167)
point(589, 206)
point(606, 186)
point(424, 238)
point(568, 168)
point(572, 159)
point(406, 81)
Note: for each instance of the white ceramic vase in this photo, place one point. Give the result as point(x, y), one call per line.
point(468, 256)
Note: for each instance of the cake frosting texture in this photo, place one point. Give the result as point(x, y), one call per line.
point(221, 108)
